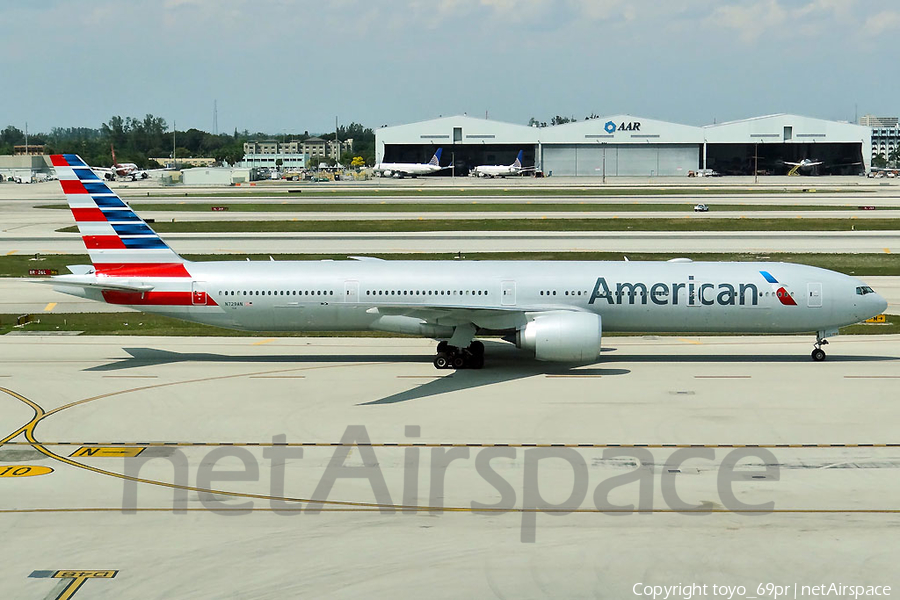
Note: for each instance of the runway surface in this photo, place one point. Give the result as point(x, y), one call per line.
point(193, 420)
point(474, 241)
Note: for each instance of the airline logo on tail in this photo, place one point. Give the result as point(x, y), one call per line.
point(436, 159)
point(119, 242)
point(518, 162)
point(783, 295)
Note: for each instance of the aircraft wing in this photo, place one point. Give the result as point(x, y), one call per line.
point(496, 318)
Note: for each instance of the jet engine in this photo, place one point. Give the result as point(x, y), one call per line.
point(562, 336)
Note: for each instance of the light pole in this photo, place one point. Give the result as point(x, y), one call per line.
point(604, 162)
point(756, 162)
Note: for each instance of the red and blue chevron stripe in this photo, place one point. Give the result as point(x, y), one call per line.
point(118, 241)
point(782, 294)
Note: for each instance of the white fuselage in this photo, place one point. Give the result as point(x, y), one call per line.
point(496, 170)
point(400, 169)
point(499, 295)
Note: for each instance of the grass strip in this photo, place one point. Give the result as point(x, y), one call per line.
point(363, 207)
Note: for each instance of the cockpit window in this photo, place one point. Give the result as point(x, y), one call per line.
point(863, 290)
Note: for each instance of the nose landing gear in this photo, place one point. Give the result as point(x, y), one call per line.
point(818, 354)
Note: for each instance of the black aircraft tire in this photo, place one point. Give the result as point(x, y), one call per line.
point(818, 355)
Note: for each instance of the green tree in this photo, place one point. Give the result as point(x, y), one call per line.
point(895, 156)
point(879, 161)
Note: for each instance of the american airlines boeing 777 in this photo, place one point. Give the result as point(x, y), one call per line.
point(557, 310)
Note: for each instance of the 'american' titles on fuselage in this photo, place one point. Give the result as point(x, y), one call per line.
point(690, 293)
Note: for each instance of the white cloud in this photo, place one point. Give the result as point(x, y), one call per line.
point(783, 18)
point(751, 20)
point(888, 20)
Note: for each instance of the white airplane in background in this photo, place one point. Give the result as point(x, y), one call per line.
point(806, 163)
point(128, 171)
point(502, 170)
point(555, 309)
point(811, 163)
point(401, 170)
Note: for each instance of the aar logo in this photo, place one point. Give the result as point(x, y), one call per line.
point(611, 127)
point(783, 295)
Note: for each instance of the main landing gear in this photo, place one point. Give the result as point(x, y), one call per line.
point(451, 357)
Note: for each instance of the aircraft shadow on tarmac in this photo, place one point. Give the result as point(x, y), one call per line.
point(504, 363)
point(149, 357)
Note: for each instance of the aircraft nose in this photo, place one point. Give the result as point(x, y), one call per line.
point(880, 304)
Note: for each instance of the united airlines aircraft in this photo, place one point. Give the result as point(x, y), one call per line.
point(556, 310)
point(515, 168)
point(401, 170)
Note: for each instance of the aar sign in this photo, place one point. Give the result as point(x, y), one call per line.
point(611, 127)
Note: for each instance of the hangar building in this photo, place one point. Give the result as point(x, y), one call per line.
point(625, 145)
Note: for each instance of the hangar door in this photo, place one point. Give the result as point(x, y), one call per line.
point(633, 160)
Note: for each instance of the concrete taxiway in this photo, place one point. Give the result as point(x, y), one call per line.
point(215, 446)
point(350, 243)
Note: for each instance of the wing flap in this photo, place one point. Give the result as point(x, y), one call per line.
point(495, 317)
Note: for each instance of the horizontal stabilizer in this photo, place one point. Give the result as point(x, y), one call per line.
point(100, 283)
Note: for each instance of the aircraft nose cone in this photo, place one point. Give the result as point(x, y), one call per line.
point(880, 304)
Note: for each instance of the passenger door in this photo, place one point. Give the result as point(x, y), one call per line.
point(507, 293)
point(814, 295)
point(351, 292)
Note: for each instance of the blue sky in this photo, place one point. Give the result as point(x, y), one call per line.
point(278, 65)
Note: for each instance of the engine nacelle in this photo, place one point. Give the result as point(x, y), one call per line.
point(562, 336)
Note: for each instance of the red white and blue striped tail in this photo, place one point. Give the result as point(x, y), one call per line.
point(119, 242)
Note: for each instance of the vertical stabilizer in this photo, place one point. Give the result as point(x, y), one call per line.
point(119, 242)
